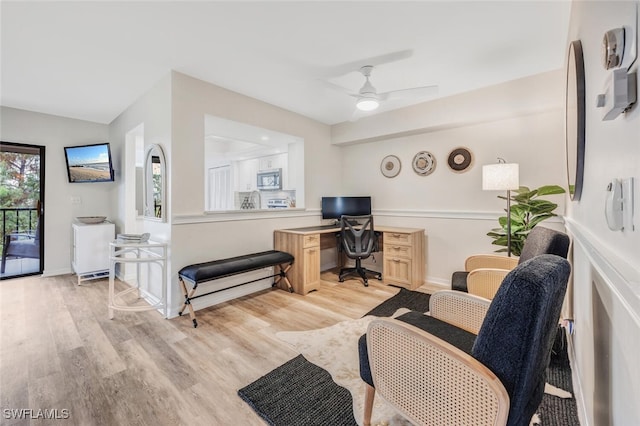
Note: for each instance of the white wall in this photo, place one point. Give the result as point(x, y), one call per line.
point(173, 115)
point(452, 207)
point(97, 199)
point(606, 263)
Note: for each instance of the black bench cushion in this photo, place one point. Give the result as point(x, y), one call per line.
point(206, 271)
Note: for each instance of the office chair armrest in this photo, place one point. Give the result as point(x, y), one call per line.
point(431, 381)
point(484, 282)
point(489, 261)
point(463, 310)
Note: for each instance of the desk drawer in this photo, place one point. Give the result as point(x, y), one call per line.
point(399, 271)
point(398, 238)
point(312, 240)
point(396, 250)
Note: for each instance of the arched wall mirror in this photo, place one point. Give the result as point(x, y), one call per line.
point(575, 119)
point(155, 185)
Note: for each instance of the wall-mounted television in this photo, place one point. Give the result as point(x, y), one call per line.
point(334, 207)
point(89, 163)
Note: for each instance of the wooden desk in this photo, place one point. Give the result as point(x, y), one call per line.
point(402, 252)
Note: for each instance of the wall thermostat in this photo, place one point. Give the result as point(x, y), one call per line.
point(613, 48)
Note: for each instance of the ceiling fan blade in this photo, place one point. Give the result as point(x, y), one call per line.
point(331, 72)
point(337, 88)
point(411, 93)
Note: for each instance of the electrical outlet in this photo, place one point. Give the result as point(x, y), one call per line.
point(76, 200)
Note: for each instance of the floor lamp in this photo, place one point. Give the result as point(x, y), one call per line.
point(502, 177)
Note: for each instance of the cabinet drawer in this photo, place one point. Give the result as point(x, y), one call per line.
point(396, 250)
point(398, 271)
point(398, 238)
point(312, 240)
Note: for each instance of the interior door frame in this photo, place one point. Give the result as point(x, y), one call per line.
point(41, 204)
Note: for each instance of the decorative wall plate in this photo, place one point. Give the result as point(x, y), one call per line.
point(390, 166)
point(460, 160)
point(424, 163)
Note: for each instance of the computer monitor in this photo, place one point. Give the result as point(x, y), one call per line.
point(334, 207)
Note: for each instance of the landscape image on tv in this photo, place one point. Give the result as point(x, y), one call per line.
point(90, 163)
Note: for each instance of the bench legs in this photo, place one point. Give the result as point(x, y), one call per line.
point(189, 295)
point(187, 301)
point(282, 275)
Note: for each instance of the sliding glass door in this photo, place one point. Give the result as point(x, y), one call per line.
point(21, 209)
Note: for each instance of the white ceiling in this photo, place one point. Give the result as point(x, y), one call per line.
point(91, 60)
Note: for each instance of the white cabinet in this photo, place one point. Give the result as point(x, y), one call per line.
point(91, 249)
point(270, 162)
point(245, 174)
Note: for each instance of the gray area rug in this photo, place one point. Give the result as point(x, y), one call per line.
point(299, 393)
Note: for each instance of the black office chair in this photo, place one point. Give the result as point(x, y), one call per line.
point(358, 240)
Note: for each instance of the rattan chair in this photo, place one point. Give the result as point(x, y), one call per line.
point(484, 273)
point(437, 373)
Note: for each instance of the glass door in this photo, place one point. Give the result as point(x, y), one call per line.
point(21, 209)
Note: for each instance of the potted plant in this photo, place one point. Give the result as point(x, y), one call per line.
point(527, 210)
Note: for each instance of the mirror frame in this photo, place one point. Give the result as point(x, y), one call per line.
point(152, 151)
point(575, 122)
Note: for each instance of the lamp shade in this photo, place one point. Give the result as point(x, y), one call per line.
point(500, 177)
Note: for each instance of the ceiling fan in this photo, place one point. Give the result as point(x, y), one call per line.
point(368, 99)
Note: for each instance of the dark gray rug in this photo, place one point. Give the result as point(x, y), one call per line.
point(299, 393)
point(413, 300)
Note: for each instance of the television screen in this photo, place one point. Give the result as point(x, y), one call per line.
point(89, 163)
point(334, 207)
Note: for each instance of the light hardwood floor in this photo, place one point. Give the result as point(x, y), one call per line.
point(59, 350)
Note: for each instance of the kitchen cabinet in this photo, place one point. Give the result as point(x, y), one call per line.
point(245, 175)
point(270, 162)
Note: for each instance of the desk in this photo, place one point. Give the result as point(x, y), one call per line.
point(149, 252)
point(402, 252)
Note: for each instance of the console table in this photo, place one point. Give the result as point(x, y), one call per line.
point(150, 253)
point(402, 251)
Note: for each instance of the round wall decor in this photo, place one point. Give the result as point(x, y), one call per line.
point(424, 163)
point(390, 166)
point(460, 160)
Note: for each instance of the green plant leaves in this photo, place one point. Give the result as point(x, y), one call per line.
point(527, 211)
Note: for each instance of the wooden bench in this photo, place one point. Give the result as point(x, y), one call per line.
point(214, 270)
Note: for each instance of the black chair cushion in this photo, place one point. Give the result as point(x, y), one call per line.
point(543, 240)
point(517, 334)
point(459, 281)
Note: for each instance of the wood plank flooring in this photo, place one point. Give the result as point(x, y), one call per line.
point(59, 351)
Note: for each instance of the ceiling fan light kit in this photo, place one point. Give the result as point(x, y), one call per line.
point(367, 102)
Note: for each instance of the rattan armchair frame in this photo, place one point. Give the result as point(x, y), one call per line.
point(430, 381)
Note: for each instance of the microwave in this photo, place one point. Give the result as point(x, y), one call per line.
point(269, 180)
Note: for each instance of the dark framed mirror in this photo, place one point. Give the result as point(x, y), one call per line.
point(575, 119)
